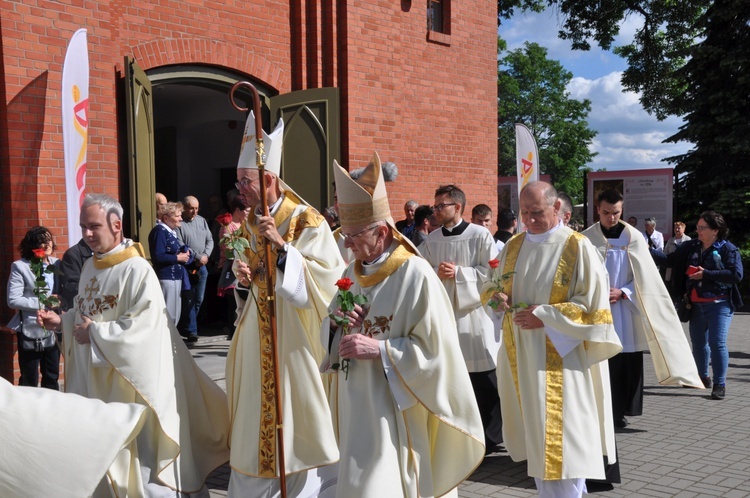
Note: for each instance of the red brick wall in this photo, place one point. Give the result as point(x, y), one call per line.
point(429, 107)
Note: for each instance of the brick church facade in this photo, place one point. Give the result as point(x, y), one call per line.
point(413, 80)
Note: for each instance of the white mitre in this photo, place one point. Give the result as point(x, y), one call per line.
point(364, 200)
point(271, 146)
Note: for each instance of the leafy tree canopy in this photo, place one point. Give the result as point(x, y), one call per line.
point(531, 90)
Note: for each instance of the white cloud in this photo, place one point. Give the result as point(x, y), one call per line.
point(628, 137)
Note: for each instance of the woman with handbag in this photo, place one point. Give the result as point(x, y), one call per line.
point(707, 271)
point(38, 351)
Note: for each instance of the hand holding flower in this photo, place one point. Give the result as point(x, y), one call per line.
point(48, 319)
point(359, 346)
point(350, 314)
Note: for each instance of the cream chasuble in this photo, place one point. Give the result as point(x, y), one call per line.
point(61, 444)
point(137, 356)
point(471, 251)
point(656, 322)
point(408, 423)
point(557, 410)
point(303, 292)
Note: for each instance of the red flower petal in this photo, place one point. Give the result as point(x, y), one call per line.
point(344, 283)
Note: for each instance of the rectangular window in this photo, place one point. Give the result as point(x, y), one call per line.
point(435, 15)
point(439, 21)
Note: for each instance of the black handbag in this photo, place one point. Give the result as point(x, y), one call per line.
point(684, 308)
point(37, 344)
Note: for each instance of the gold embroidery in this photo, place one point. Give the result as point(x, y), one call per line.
point(393, 263)
point(381, 326)
point(511, 257)
point(267, 431)
point(135, 250)
point(575, 314)
point(553, 431)
point(92, 304)
point(553, 436)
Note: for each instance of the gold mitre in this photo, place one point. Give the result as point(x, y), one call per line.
point(364, 200)
point(271, 146)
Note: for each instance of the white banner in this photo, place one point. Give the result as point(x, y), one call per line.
point(527, 163)
point(527, 157)
point(75, 119)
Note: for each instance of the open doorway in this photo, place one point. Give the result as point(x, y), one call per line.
point(197, 132)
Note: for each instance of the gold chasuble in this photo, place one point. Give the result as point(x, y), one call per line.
point(408, 423)
point(309, 441)
point(656, 320)
point(561, 421)
point(137, 356)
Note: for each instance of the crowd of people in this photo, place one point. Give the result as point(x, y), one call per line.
point(399, 354)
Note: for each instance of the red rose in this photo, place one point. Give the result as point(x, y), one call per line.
point(40, 253)
point(494, 263)
point(224, 219)
point(344, 283)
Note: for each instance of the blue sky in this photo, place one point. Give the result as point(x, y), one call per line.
point(628, 137)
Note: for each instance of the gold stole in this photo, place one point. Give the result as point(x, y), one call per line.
point(264, 273)
point(553, 431)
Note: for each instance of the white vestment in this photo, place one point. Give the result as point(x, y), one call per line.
point(553, 381)
point(655, 321)
point(302, 293)
point(137, 356)
point(407, 422)
point(471, 251)
point(61, 444)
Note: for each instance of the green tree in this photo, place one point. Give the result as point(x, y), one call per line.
point(688, 59)
point(666, 31)
point(716, 102)
point(531, 90)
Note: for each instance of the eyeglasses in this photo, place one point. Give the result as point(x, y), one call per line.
point(700, 228)
point(245, 182)
point(351, 237)
point(442, 205)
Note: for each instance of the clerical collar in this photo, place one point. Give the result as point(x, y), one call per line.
point(119, 247)
point(166, 227)
point(368, 268)
point(614, 232)
point(457, 229)
point(272, 208)
point(541, 237)
point(379, 259)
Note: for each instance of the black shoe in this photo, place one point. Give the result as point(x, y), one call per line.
point(718, 392)
point(707, 382)
point(621, 423)
point(192, 338)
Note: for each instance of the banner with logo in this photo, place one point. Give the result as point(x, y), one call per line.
point(75, 125)
point(527, 157)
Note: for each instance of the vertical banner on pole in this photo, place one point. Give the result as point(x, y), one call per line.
point(527, 160)
point(75, 125)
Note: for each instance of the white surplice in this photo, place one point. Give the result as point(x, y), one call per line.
point(471, 251)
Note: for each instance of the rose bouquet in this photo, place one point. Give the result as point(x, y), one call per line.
point(346, 301)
